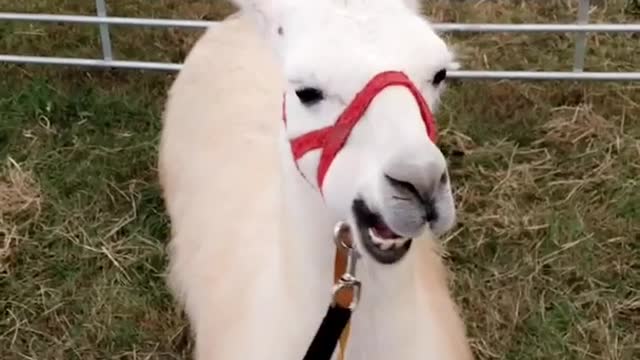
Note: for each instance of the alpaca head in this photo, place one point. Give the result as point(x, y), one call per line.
point(384, 166)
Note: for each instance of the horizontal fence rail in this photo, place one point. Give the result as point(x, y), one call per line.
point(202, 24)
point(459, 74)
point(104, 22)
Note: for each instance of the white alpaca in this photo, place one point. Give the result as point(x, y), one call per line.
point(251, 253)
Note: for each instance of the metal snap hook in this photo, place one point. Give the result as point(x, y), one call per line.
point(340, 232)
point(348, 280)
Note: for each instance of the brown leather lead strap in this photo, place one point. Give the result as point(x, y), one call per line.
point(343, 298)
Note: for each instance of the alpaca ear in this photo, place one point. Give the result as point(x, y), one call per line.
point(414, 5)
point(266, 14)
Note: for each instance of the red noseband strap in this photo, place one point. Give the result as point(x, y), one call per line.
point(332, 138)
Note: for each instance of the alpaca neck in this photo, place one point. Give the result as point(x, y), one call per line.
point(308, 247)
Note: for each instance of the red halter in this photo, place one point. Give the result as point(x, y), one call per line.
point(332, 138)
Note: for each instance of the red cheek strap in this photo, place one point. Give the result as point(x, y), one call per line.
point(331, 139)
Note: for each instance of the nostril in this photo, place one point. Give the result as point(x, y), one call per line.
point(431, 214)
point(426, 199)
point(444, 178)
point(405, 186)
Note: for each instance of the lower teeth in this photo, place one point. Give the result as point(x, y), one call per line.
point(386, 244)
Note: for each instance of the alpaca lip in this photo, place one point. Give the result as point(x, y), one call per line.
point(390, 255)
point(379, 240)
point(382, 231)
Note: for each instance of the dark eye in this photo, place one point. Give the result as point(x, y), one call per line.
point(439, 77)
point(309, 96)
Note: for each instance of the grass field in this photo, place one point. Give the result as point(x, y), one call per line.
point(546, 257)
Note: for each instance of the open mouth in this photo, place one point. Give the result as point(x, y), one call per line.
point(378, 239)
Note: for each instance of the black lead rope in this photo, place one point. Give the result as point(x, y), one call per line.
point(328, 334)
point(325, 341)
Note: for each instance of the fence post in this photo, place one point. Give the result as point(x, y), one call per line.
point(105, 36)
point(581, 38)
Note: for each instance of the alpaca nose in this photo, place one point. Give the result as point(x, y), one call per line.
point(419, 180)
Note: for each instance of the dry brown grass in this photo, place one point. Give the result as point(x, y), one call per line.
point(20, 197)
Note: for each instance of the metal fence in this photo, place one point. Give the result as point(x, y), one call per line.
point(580, 28)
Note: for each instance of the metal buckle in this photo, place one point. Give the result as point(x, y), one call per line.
point(348, 279)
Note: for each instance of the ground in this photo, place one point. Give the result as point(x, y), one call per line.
point(545, 259)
